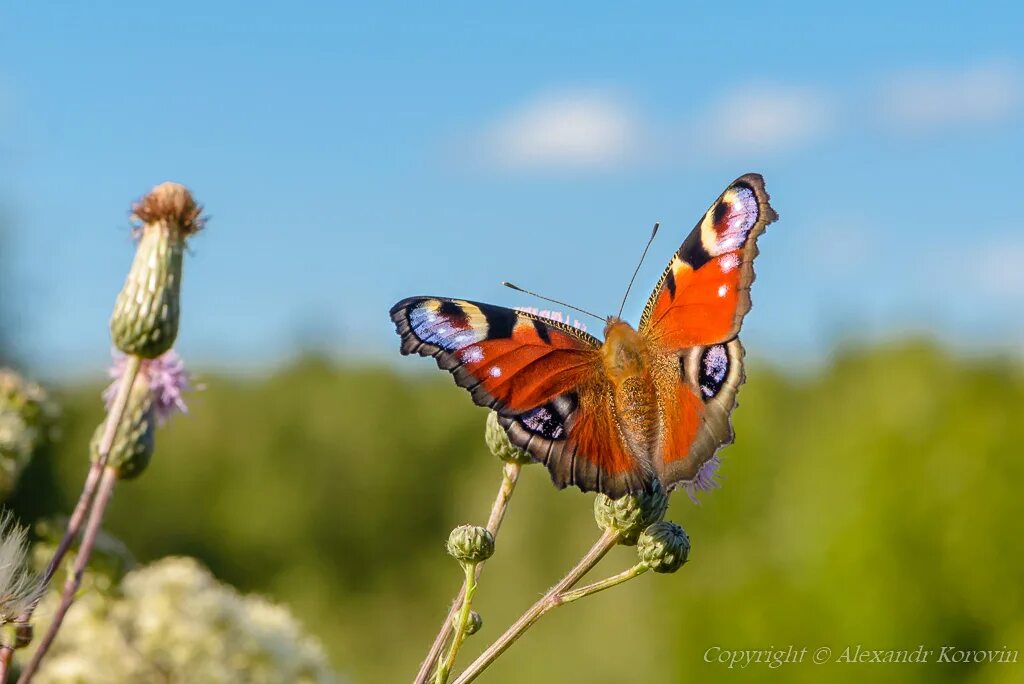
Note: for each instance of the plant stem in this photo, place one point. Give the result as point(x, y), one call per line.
point(583, 592)
point(6, 653)
point(446, 664)
point(550, 600)
point(92, 479)
point(509, 477)
point(104, 493)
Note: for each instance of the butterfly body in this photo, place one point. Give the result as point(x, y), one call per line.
point(646, 404)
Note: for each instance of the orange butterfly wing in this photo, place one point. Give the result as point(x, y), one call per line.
point(544, 378)
point(691, 322)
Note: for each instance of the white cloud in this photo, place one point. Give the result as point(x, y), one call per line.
point(568, 130)
point(930, 100)
point(758, 119)
point(999, 269)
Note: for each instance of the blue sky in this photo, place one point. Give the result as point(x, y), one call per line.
point(351, 156)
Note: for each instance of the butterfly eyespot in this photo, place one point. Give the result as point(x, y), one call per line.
point(544, 422)
point(445, 326)
point(714, 368)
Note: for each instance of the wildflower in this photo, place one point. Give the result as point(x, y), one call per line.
point(155, 396)
point(173, 621)
point(27, 422)
point(146, 313)
point(498, 442)
point(165, 377)
point(663, 547)
point(631, 514)
point(470, 544)
point(704, 480)
point(19, 586)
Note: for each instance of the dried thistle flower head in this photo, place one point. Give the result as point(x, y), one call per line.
point(170, 206)
point(27, 421)
point(19, 586)
point(663, 547)
point(498, 442)
point(155, 396)
point(147, 310)
point(629, 515)
point(470, 544)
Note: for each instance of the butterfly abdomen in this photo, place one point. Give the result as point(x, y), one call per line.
point(626, 362)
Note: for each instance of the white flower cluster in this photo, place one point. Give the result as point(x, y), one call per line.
point(174, 622)
point(27, 419)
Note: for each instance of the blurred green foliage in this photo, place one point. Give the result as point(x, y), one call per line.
point(876, 501)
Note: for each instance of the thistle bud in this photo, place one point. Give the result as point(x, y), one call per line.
point(473, 624)
point(135, 441)
point(470, 544)
point(27, 423)
point(629, 515)
point(663, 547)
point(145, 318)
point(498, 442)
point(156, 394)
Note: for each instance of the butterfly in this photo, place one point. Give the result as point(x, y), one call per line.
point(646, 405)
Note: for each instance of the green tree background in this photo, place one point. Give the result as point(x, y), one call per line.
point(874, 501)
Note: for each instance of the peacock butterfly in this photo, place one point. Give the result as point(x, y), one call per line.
point(651, 403)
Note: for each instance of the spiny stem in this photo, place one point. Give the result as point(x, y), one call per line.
point(92, 479)
point(460, 628)
point(509, 477)
point(550, 600)
point(104, 493)
point(583, 592)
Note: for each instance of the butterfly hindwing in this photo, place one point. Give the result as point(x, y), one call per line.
point(704, 292)
point(697, 393)
point(543, 377)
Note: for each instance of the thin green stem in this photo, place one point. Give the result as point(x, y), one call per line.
point(550, 600)
point(509, 478)
point(445, 668)
point(583, 592)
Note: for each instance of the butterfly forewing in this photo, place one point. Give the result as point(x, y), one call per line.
point(543, 377)
point(691, 322)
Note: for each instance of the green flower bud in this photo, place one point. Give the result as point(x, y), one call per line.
point(27, 423)
point(498, 442)
point(473, 624)
point(630, 514)
point(145, 318)
point(133, 446)
point(470, 544)
point(663, 547)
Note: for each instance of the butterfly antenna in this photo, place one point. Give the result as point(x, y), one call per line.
point(549, 299)
point(628, 287)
